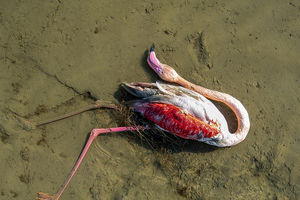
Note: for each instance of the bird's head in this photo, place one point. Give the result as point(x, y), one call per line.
point(165, 72)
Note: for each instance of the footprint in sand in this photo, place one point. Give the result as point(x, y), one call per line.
point(198, 49)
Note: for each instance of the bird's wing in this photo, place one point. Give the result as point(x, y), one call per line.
point(189, 101)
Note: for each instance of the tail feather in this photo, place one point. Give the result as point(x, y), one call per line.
point(138, 91)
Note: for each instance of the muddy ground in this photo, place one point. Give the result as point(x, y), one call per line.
point(58, 56)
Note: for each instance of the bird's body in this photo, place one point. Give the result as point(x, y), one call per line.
point(185, 111)
point(180, 111)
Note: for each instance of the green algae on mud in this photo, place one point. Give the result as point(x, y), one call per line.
point(51, 53)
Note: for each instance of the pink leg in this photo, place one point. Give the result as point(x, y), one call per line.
point(93, 135)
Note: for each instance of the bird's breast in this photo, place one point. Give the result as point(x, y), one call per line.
point(175, 120)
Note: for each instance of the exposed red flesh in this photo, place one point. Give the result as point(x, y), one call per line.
point(174, 120)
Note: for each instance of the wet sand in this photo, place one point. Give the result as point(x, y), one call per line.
point(57, 56)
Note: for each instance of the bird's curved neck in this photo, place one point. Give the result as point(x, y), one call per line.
point(237, 107)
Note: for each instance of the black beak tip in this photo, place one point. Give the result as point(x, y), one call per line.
point(152, 48)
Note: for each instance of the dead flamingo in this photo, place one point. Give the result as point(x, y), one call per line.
point(183, 111)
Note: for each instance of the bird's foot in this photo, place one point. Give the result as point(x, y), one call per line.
point(22, 122)
point(44, 196)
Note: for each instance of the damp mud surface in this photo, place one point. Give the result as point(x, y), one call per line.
point(59, 56)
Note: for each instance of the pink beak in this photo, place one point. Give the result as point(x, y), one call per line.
point(153, 61)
